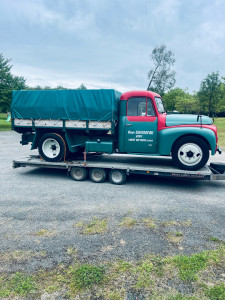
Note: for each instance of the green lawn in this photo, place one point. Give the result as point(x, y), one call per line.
point(220, 123)
point(3, 124)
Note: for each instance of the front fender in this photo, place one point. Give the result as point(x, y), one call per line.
point(168, 136)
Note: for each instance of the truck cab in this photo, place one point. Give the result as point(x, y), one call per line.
point(145, 127)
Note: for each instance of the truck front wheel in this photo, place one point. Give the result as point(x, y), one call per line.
point(190, 153)
point(52, 147)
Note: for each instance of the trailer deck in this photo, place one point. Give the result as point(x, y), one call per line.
point(128, 164)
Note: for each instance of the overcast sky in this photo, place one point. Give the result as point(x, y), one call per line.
point(107, 43)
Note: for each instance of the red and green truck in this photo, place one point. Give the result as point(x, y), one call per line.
point(61, 122)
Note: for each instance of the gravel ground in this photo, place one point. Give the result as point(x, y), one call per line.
point(34, 199)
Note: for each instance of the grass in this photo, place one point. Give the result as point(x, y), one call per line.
point(189, 266)
point(20, 255)
point(150, 223)
point(95, 226)
point(197, 275)
point(85, 276)
point(72, 251)
point(217, 292)
point(45, 233)
point(177, 223)
point(220, 123)
point(175, 237)
point(181, 297)
point(4, 126)
point(127, 222)
point(18, 284)
point(216, 240)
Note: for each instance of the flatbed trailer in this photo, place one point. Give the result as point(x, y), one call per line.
point(118, 166)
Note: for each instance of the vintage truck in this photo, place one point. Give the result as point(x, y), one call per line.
point(60, 122)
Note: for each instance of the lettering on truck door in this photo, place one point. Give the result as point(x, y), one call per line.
point(140, 126)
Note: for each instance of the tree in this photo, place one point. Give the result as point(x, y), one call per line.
point(180, 100)
point(8, 82)
point(221, 103)
point(170, 98)
point(188, 104)
point(46, 88)
point(210, 93)
point(82, 87)
point(161, 76)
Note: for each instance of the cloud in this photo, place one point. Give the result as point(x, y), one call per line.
point(44, 77)
point(104, 42)
point(211, 36)
point(37, 14)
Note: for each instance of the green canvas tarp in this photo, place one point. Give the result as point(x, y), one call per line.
point(93, 105)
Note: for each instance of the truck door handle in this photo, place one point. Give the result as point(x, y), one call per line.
point(128, 124)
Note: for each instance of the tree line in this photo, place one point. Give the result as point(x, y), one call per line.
point(209, 100)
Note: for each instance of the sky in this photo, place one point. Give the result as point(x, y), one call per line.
point(107, 43)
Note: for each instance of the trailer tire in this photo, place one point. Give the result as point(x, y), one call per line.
point(79, 173)
point(190, 153)
point(97, 175)
point(117, 177)
point(52, 147)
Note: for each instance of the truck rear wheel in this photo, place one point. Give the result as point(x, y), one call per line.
point(117, 176)
point(97, 175)
point(52, 147)
point(79, 173)
point(190, 153)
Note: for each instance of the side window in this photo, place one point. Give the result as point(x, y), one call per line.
point(141, 108)
point(150, 109)
point(136, 107)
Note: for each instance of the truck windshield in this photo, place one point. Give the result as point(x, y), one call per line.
point(160, 105)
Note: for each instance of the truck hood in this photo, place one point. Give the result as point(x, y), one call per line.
point(180, 119)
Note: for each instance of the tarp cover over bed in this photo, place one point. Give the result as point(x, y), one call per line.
point(93, 105)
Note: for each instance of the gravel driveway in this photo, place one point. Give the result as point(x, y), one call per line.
point(39, 207)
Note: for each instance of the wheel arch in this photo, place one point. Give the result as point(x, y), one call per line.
point(167, 138)
point(191, 135)
point(40, 132)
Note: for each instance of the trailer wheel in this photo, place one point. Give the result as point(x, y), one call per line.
point(190, 153)
point(79, 173)
point(52, 147)
point(97, 175)
point(117, 176)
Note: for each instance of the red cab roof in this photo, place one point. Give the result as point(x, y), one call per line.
point(127, 95)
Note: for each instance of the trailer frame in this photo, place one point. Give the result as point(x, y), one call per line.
point(124, 164)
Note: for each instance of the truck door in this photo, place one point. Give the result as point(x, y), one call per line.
point(140, 126)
